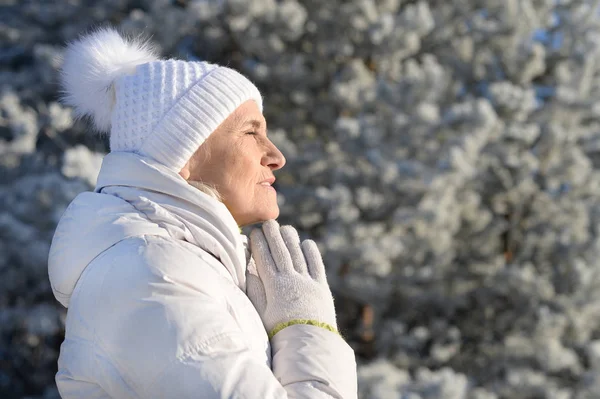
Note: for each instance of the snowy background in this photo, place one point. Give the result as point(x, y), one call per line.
point(444, 154)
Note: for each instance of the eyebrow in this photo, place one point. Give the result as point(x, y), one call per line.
point(255, 123)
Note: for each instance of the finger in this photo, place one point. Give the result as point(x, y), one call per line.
point(255, 290)
point(279, 251)
point(265, 265)
point(292, 242)
point(316, 267)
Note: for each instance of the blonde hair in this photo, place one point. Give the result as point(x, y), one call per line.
point(206, 189)
point(200, 185)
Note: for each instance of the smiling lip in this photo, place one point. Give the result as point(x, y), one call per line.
point(269, 182)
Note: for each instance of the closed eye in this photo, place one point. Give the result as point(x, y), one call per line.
point(252, 133)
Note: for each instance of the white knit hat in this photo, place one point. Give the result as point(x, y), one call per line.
point(162, 109)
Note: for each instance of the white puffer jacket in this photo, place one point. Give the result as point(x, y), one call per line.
point(153, 274)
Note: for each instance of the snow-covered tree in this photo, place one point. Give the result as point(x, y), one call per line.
point(445, 156)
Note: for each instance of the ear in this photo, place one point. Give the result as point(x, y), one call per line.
point(185, 171)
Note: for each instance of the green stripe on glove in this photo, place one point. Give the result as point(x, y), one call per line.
point(316, 323)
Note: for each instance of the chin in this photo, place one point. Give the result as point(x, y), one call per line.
point(261, 216)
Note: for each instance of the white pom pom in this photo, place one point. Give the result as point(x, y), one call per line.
point(90, 67)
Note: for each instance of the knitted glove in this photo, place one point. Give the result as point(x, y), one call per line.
point(291, 286)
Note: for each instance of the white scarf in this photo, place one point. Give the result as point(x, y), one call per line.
point(166, 199)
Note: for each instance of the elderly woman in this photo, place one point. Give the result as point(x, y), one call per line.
point(165, 298)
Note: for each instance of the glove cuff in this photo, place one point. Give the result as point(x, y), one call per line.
point(316, 323)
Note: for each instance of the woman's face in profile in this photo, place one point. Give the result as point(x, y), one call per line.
point(238, 159)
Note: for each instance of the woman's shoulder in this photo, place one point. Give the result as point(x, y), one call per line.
point(139, 268)
point(145, 260)
point(140, 275)
point(146, 300)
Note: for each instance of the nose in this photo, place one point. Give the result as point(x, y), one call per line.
point(273, 158)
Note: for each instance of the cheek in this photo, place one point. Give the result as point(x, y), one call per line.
point(243, 173)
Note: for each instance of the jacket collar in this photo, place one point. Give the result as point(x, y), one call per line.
point(165, 198)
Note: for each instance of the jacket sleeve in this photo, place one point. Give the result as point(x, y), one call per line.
point(170, 335)
point(312, 362)
point(303, 368)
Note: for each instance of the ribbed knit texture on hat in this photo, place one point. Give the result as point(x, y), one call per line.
point(166, 109)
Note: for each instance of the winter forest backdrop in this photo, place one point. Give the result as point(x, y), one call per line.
point(444, 154)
